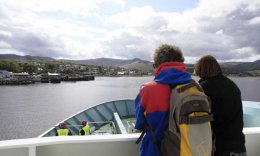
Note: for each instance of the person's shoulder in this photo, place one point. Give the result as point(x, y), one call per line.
point(231, 83)
point(227, 80)
point(204, 82)
point(152, 84)
point(212, 80)
point(209, 84)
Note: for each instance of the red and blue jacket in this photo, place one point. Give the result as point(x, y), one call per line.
point(153, 102)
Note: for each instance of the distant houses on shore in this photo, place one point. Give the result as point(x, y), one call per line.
point(65, 74)
point(9, 78)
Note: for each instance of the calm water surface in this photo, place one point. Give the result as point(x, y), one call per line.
point(27, 111)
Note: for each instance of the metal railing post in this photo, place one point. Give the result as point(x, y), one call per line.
point(32, 151)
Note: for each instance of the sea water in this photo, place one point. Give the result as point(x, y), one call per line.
point(29, 110)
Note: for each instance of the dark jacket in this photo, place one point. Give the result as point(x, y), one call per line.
point(228, 114)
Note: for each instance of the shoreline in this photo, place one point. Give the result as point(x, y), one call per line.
point(17, 82)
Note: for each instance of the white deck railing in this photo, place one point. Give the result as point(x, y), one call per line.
point(96, 145)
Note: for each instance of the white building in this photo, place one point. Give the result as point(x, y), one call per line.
point(121, 73)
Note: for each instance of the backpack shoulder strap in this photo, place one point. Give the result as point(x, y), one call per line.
point(195, 119)
point(173, 86)
point(142, 134)
point(147, 127)
point(190, 84)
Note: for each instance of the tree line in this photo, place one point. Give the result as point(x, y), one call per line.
point(29, 67)
point(39, 67)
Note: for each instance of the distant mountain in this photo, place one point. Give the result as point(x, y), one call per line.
point(127, 64)
point(139, 64)
point(104, 62)
point(229, 64)
point(228, 67)
point(24, 58)
point(257, 62)
point(242, 66)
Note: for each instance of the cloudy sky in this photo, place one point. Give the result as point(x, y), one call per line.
point(126, 29)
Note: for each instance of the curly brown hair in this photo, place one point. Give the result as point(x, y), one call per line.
point(167, 53)
point(207, 66)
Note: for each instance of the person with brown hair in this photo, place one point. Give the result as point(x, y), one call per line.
point(227, 109)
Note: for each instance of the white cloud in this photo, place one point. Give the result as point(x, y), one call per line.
point(134, 17)
point(39, 35)
point(227, 29)
point(78, 7)
point(255, 20)
point(5, 34)
point(219, 32)
point(4, 45)
point(218, 27)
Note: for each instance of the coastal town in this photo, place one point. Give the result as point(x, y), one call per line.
point(16, 73)
point(15, 69)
